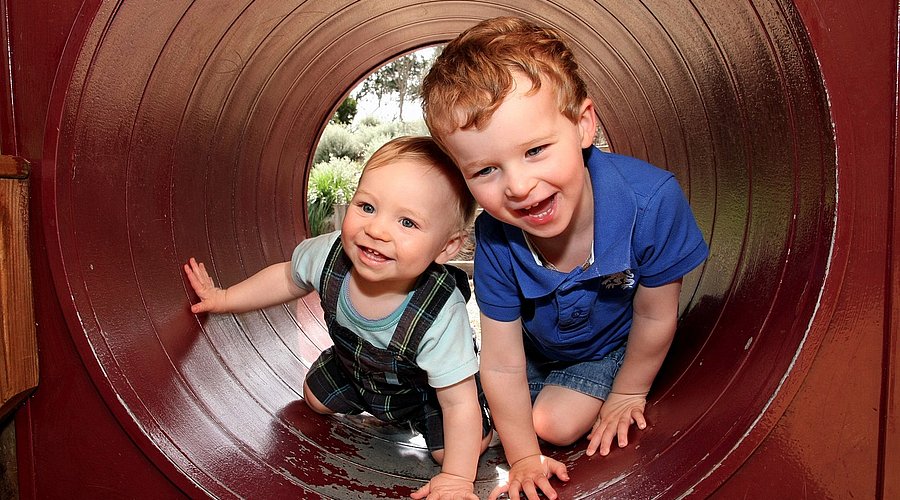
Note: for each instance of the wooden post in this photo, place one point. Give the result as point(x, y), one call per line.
point(18, 346)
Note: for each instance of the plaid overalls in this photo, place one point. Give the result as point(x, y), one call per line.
point(387, 383)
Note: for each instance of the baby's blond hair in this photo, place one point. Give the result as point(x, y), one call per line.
point(425, 150)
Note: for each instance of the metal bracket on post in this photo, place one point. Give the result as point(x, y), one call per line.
point(18, 344)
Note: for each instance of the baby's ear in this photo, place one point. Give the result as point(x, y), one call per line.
point(453, 246)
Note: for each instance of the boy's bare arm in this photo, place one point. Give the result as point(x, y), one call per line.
point(506, 387)
point(652, 330)
point(462, 443)
point(270, 286)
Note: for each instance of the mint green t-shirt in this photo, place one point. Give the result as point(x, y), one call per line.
point(446, 353)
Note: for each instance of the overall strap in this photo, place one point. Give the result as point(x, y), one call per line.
point(337, 264)
point(433, 289)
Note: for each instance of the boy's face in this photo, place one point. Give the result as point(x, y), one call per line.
point(400, 220)
point(525, 166)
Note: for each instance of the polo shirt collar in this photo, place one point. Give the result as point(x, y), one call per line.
point(615, 211)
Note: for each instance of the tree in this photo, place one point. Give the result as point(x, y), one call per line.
point(345, 112)
point(402, 77)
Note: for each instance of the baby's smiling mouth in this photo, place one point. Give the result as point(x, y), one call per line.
point(373, 255)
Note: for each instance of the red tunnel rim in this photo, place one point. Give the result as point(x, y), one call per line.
point(67, 277)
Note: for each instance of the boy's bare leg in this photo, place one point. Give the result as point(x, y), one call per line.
point(563, 416)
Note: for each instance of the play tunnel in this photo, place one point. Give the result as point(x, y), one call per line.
point(186, 128)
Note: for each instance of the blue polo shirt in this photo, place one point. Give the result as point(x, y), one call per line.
point(644, 233)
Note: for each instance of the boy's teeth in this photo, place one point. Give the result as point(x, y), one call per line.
point(530, 209)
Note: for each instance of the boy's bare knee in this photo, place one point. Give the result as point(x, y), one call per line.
point(554, 431)
point(555, 426)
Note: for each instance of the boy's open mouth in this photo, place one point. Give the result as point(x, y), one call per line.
point(541, 210)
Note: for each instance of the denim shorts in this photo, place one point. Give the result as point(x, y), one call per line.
point(594, 378)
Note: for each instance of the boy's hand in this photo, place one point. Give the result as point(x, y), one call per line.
point(530, 474)
point(616, 416)
point(212, 298)
point(446, 486)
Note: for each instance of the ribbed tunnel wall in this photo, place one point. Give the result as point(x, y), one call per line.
point(187, 130)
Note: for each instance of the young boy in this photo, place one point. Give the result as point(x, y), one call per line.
point(579, 254)
point(403, 346)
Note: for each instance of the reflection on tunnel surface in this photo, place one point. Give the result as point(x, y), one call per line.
point(194, 139)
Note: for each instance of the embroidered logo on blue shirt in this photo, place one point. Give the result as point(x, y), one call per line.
point(623, 280)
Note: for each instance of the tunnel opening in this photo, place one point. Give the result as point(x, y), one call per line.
point(194, 139)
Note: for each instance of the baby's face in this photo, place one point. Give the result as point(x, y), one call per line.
point(525, 166)
point(400, 220)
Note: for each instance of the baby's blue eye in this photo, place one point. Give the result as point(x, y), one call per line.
point(367, 208)
point(534, 151)
point(407, 223)
point(485, 171)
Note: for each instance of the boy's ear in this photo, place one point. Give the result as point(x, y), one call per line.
point(587, 123)
point(453, 246)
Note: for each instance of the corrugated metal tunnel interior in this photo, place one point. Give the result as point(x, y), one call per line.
point(183, 132)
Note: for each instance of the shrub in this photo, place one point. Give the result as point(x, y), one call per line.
point(331, 182)
point(339, 160)
point(337, 142)
point(369, 121)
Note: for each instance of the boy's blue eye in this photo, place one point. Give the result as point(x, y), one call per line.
point(367, 208)
point(407, 223)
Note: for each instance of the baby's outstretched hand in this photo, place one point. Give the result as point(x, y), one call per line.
point(617, 414)
point(446, 486)
point(212, 298)
point(530, 474)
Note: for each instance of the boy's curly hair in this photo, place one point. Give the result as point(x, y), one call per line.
point(474, 73)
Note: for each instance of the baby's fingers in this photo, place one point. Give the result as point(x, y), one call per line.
point(198, 269)
point(558, 469)
point(200, 307)
point(529, 489)
point(544, 485)
point(422, 492)
point(498, 490)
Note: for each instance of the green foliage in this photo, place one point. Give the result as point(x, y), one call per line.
point(339, 160)
point(344, 147)
point(369, 121)
point(402, 76)
point(345, 112)
point(331, 182)
point(338, 141)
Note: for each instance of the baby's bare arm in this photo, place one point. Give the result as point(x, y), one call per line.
point(270, 286)
point(462, 443)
